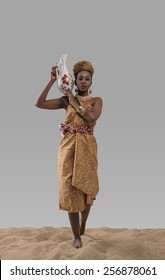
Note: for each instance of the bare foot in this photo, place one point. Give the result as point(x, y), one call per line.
point(82, 228)
point(77, 243)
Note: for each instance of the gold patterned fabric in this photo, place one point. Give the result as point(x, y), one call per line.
point(77, 165)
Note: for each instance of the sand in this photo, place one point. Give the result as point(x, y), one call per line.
point(49, 243)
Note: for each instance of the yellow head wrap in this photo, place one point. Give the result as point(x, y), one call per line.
point(81, 66)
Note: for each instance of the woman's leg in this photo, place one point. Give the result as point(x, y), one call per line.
point(84, 216)
point(75, 225)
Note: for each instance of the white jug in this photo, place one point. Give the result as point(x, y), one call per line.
point(64, 79)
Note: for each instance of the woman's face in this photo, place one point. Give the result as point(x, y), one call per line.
point(83, 81)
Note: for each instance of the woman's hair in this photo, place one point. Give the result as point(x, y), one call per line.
point(81, 66)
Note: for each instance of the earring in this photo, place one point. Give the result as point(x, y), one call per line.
point(89, 90)
point(75, 88)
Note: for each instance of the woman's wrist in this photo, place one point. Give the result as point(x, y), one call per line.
point(81, 110)
point(52, 81)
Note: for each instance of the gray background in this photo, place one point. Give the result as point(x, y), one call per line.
point(125, 42)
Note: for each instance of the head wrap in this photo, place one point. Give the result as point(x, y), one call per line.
point(81, 66)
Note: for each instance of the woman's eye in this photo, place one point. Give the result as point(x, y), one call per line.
point(81, 78)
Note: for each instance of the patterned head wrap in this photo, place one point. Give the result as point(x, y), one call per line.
point(81, 66)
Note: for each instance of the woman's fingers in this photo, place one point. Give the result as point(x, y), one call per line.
point(53, 72)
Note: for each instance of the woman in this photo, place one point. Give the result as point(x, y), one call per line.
point(77, 158)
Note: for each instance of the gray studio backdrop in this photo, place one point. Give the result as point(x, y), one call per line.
point(125, 42)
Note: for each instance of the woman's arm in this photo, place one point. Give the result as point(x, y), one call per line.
point(89, 115)
point(55, 103)
point(95, 112)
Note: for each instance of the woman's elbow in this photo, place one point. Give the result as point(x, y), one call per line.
point(90, 118)
point(38, 105)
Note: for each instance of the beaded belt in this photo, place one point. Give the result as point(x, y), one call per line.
point(78, 129)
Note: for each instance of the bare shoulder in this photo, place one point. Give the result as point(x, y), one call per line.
point(97, 100)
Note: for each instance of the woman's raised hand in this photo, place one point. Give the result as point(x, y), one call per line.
point(53, 74)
